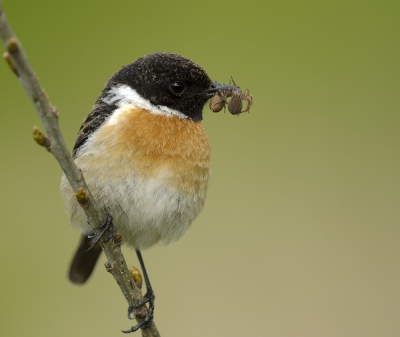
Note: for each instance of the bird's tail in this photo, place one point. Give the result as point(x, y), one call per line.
point(84, 261)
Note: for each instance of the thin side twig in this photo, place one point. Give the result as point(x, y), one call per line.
point(54, 143)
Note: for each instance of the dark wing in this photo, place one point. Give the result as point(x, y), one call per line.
point(101, 111)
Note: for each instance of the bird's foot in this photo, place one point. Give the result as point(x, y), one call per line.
point(105, 225)
point(148, 298)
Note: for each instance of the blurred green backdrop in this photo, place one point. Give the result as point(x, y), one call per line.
point(300, 233)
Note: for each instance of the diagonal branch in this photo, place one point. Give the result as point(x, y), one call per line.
point(54, 143)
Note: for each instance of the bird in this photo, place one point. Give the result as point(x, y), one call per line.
point(145, 157)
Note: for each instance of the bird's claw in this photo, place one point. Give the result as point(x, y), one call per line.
point(105, 225)
point(148, 298)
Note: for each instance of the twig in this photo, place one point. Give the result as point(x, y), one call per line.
point(54, 143)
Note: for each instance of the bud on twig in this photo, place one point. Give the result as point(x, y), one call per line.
point(12, 45)
point(109, 267)
point(137, 277)
point(117, 239)
point(8, 60)
point(82, 197)
point(40, 138)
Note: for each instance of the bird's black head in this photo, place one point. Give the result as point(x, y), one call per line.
point(169, 80)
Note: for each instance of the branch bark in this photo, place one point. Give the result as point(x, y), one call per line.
point(54, 143)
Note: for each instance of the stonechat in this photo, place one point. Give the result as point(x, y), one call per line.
point(145, 157)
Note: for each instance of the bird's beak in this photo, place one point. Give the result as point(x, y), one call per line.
point(218, 87)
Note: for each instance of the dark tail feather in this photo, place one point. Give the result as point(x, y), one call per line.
point(83, 262)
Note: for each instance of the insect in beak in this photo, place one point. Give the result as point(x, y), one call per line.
point(219, 93)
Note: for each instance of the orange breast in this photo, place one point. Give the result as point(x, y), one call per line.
point(159, 146)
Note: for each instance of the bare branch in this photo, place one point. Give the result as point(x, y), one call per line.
point(54, 143)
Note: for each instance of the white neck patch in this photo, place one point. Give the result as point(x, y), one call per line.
point(122, 95)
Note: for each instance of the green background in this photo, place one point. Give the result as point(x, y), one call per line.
point(300, 233)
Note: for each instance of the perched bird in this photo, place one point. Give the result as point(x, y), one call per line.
point(145, 156)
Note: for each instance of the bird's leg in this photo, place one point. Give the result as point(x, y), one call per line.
point(105, 225)
point(147, 298)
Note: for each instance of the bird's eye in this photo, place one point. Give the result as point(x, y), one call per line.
point(177, 87)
